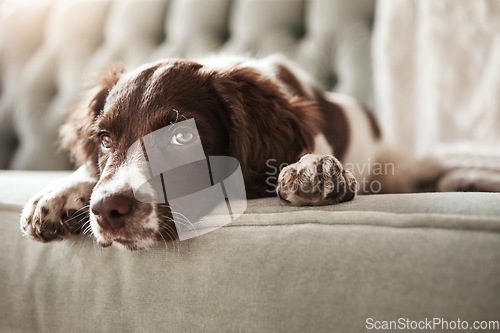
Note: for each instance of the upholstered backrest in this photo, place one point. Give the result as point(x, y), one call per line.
point(49, 52)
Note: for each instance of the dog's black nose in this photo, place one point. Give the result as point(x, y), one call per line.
point(110, 212)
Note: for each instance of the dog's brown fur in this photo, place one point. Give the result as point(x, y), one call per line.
point(240, 113)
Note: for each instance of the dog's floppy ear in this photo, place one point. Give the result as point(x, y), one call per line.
point(264, 124)
point(76, 135)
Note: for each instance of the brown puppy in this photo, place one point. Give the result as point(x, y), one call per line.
point(264, 113)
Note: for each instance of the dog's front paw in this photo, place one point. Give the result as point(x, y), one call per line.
point(316, 180)
point(57, 211)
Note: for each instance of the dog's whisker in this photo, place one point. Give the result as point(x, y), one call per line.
point(75, 215)
point(185, 222)
point(170, 229)
point(87, 227)
point(173, 240)
point(165, 242)
point(81, 245)
point(171, 234)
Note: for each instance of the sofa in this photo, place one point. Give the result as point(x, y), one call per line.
point(379, 262)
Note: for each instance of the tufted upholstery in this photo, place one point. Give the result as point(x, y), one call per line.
point(49, 52)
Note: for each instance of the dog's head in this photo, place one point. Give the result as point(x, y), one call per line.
point(239, 112)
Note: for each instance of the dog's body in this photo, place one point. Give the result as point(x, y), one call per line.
point(255, 111)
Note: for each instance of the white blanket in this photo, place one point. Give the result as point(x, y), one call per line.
point(437, 74)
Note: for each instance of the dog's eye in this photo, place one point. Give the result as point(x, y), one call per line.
point(106, 141)
point(183, 137)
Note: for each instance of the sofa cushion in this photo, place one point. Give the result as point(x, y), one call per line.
point(276, 269)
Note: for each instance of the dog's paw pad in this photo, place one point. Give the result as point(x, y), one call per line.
point(55, 213)
point(316, 180)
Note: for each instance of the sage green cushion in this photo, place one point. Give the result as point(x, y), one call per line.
point(276, 269)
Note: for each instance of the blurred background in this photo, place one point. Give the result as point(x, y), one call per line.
point(430, 69)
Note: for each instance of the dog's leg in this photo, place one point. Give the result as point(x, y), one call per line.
point(399, 172)
point(471, 180)
point(435, 173)
point(61, 208)
point(316, 180)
